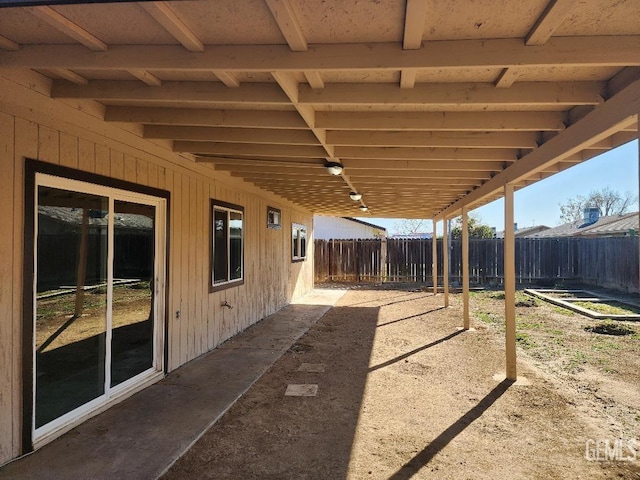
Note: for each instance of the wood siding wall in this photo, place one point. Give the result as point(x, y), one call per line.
point(33, 126)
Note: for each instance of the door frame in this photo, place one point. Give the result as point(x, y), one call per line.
point(120, 392)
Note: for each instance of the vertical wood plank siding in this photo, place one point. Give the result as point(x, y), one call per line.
point(73, 139)
point(608, 261)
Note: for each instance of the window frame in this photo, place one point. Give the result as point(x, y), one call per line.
point(296, 242)
point(220, 206)
point(273, 225)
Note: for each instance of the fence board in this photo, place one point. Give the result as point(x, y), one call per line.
point(609, 261)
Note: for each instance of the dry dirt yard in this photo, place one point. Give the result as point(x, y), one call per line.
point(404, 394)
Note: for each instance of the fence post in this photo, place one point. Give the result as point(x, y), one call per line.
point(383, 260)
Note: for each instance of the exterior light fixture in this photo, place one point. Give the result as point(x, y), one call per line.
point(334, 168)
point(364, 208)
point(355, 196)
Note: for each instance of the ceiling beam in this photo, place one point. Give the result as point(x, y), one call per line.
point(229, 79)
point(6, 44)
point(507, 77)
point(72, 77)
point(499, 53)
point(606, 119)
point(162, 13)
point(446, 94)
point(408, 78)
point(204, 92)
point(69, 28)
point(290, 87)
point(145, 77)
point(249, 149)
point(443, 121)
point(549, 21)
point(288, 24)
point(206, 117)
point(315, 170)
point(353, 165)
point(414, 20)
point(417, 153)
point(314, 79)
point(231, 135)
point(434, 139)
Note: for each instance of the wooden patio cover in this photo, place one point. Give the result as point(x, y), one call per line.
point(429, 105)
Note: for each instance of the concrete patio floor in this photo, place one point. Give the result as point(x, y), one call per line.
point(144, 435)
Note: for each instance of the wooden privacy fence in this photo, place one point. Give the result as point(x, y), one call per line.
point(609, 261)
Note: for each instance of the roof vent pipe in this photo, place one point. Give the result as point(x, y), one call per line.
point(590, 214)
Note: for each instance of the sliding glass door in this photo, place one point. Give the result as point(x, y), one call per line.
point(99, 280)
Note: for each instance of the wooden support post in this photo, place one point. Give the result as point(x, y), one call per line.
point(434, 250)
point(445, 261)
point(509, 283)
point(82, 263)
point(465, 268)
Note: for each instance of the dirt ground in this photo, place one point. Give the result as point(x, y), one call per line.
point(405, 394)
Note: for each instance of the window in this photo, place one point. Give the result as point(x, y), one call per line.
point(298, 242)
point(274, 218)
point(227, 250)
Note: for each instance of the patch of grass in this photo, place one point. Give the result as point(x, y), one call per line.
point(558, 341)
point(609, 327)
point(563, 311)
point(530, 325)
point(524, 340)
point(497, 295)
point(524, 300)
point(485, 317)
point(605, 346)
point(555, 332)
point(609, 308)
point(578, 359)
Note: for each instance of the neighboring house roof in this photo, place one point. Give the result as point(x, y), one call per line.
point(603, 226)
point(362, 222)
point(525, 232)
point(622, 226)
point(417, 235)
point(73, 218)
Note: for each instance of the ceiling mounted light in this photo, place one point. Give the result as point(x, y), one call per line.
point(355, 196)
point(334, 168)
point(364, 208)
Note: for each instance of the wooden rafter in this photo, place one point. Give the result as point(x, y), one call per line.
point(288, 24)
point(206, 117)
point(437, 55)
point(162, 13)
point(6, 44)
point(146, 77)
point(70, 76)
point(445, 121)
point(524, 93)
point(231, 135)
point(549, 21)
point(66, 26)
point(604, 120)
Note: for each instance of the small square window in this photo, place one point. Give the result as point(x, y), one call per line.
point(298, 242)
point(274, 218)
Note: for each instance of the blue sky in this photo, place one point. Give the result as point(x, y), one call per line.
point(539, 203)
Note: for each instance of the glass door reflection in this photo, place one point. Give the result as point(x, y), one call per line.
point(71, 301)
point(133, 286)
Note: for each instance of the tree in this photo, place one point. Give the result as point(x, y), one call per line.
point(475, 226)
point(606, 200)
point(409, 226)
